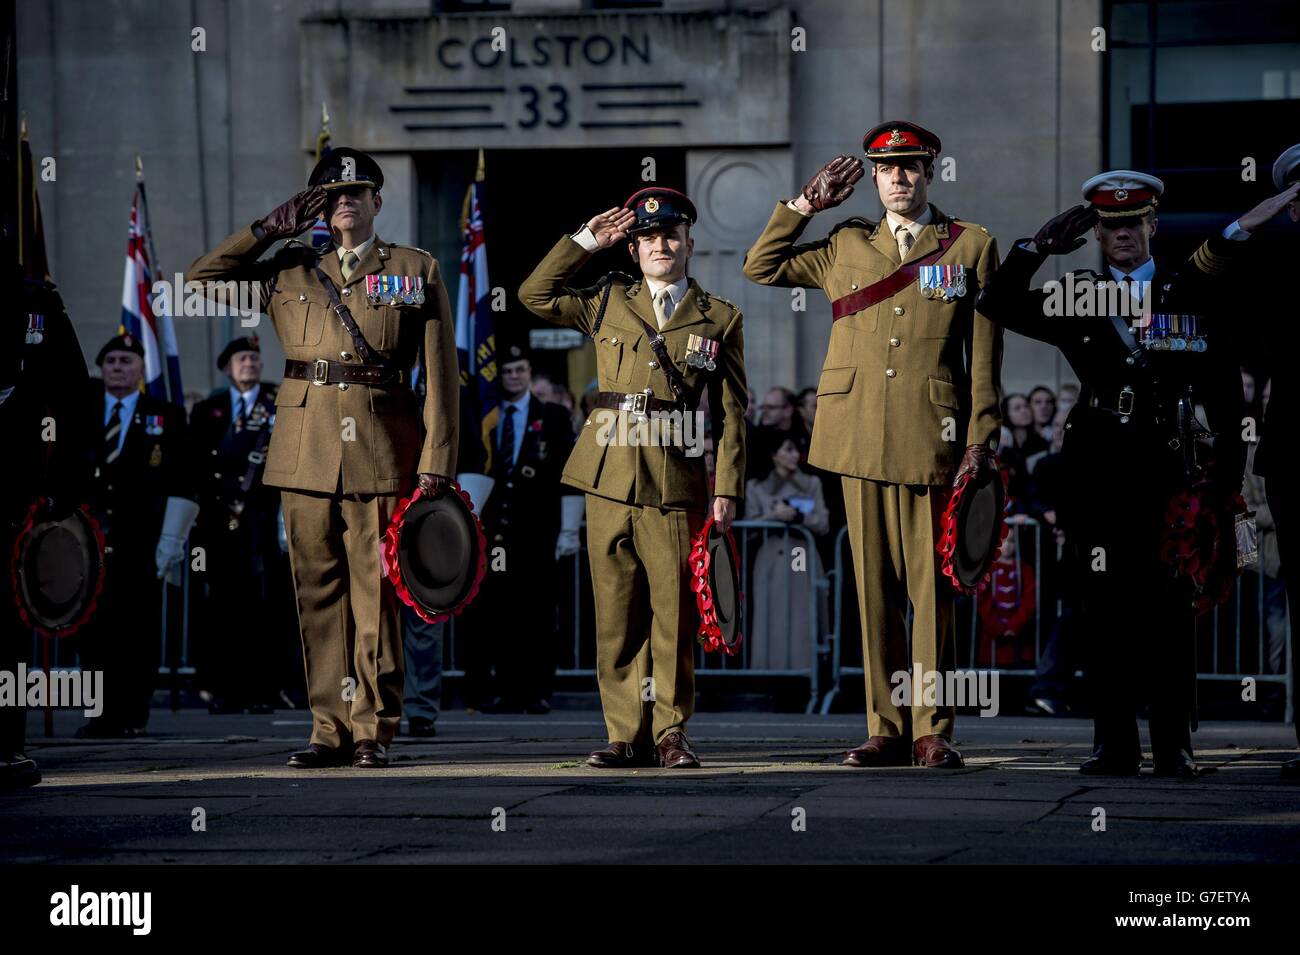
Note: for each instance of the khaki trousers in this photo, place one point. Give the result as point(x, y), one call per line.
point(347, 615)
point(894, 533)
point(645, 617)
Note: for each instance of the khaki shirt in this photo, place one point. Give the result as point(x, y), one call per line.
point(658, 476)
point(908, 383)
point(362, 440)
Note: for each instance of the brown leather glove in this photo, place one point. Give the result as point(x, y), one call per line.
point(431, 483)
point(1064, 234)
point(833, 182)
point(291, 217)
point(978, 461)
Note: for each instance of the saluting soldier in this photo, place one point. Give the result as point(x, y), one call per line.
point(142, 498)
point(911, 377)
point(661, 343)
point(1133, 441)
point(347, 439)
point(230, 432)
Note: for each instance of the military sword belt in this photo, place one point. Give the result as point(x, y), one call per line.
point(639, 403)
point(323, 372)
point(1123, 405)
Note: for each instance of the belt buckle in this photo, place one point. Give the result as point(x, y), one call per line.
point(1125, 405)
point(320, 372)
point(639, 403)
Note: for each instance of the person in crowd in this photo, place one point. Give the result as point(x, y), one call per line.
point(1042, 402)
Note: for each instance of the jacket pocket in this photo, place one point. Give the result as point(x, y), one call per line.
point(836, 381)
point(944, 394)
point(299, 316)
point(286, 433)
point(615, 354)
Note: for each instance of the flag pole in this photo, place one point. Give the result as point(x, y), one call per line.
point(147, 228)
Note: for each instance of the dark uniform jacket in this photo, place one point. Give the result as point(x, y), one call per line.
point(225, 455)
point(1101, 449)
point(129, 495)
point(525, 502)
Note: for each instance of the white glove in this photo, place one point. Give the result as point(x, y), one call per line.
point(169, 555)
point(478, 487)
point(571, 507)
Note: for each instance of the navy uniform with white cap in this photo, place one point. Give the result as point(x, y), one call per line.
point(661, 343)
point(1133, 441)
point(1273, 341)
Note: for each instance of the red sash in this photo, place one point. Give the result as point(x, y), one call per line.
point(894, 282)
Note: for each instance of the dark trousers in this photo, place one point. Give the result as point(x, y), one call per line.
point(122, 638)
point(15, 643)
point(241, 649)
point(520, 604)
point(1280, 505)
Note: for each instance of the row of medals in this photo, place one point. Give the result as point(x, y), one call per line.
point(394, 290)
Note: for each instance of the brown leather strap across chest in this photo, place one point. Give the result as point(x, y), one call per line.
point(323, 372)
point(894, 282)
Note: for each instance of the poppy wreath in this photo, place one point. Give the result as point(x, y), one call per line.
point(1197, 543)
point(710, 633)
point(948, 530)
point(392, 566)
point(20, 540)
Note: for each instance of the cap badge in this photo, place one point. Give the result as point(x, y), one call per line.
point(1121, 195)
point(895, 139)
point(652, 205)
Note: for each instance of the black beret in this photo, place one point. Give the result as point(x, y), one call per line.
point(124, 342)
point(236, 344)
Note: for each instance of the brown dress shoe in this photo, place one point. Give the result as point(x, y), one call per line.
point(879, 751)
point(369, 754)
point(675, 752)
point(935, 752)
point(319, 756)
point(622, 756)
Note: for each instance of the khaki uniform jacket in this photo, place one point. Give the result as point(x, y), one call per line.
point(383, 451)
point(909, 382)
point(656, 475)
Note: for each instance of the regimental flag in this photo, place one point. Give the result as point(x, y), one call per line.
point(320, 230)
point(162, 366)
point(31, 231)
point(475, 346)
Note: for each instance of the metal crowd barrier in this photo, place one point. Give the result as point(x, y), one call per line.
point(1263, 655)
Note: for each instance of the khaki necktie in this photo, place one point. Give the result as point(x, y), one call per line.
point(663, 307)
point(350, 264)
point(904, 236)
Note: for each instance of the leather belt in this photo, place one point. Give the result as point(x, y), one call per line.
point(1123, 405)
point(323, 372)
point(638, 403)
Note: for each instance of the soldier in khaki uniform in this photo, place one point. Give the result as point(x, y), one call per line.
point(347, 439)
point(645, 502)
point(911, 378)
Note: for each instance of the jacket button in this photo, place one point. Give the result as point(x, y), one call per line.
point(890, 373)
point(217, 475)
point(895, 342)
point(347, 291)
point(345, 355)
point(302, 297)
point(854, 285)
point(588, 421)
point(654, 364)
point(898, 310)
point(343, 386)
point(613, 341)
point(1086, 339)
point(648, 391)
